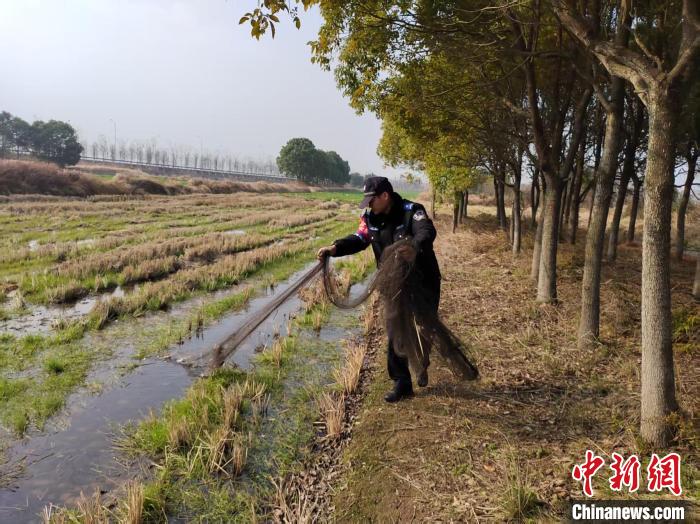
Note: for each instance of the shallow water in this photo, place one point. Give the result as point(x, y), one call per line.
point(41, 319)
point(81, 457)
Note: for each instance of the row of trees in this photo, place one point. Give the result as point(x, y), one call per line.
point(300, 159)
point(55, 141)
point(582, 95)
point(149, 152)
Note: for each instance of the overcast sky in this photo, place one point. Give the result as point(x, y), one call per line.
point(179, 71)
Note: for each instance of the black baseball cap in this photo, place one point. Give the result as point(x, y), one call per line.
point(375, 186)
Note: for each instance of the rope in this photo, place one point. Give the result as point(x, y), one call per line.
point(224, 350)
point(337, 298)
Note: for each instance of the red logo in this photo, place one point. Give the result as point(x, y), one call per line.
point(584, 472)
point(626, 473)
point(665, 473)
point(662, 473)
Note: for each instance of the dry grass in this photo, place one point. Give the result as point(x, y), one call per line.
point(332, 408)
point(91, 509)
point(291, 503)
point(519, 502)
point(134, 503)
point(232, 400)
point(180, 434)
point(40, 178)
point(539, 393)
point(348, 376)
point(158, 295)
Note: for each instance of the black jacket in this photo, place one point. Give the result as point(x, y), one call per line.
point(405, 219)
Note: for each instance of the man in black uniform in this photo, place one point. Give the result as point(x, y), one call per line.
point(391, 218)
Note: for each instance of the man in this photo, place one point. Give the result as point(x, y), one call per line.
point(391, 218)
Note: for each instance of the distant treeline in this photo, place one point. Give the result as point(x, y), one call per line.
point(55, 141)
point(149, 152)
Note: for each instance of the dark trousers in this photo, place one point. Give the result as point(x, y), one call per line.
point(397, 366)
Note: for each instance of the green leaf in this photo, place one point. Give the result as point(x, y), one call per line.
point(243, 19)
point(272, 28)
point(297, 22)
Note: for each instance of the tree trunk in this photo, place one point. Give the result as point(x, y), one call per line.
point(517, 223)
point(594, 189)
point(617, 216)
point(460, 206)
point(537, 251)
point(455, 212)
point(589, 323)
point(563, 209)
point(658, 384)
point(498, 201)
point(576, 202)
point(432, 204)
point(535, 197)
point(627, 173)
point(466, 204)
point(547, 275)
point(634, 208)
point(501, 203)
point(569, 197)
point(683, 206)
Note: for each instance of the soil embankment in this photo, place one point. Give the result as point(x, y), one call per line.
point(18, 177)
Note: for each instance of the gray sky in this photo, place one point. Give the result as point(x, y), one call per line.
point(177, 71)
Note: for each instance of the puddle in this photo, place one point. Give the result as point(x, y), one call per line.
point(41, 319)
point(33, 245)
point(61, 464)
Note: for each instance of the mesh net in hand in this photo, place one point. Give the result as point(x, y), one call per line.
point(410, 311)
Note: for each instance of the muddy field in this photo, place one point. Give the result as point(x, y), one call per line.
point(106, 307)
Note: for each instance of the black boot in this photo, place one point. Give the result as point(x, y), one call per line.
point(401, 390)
point(422, 379)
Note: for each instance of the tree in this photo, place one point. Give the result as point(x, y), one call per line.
point(297, 160)
point(356, 179)
point(658, 79)
point(589, 324)
point(634, 130)
point(689, 142)
point(300, 159)
point(339, 169)
point(55, 141)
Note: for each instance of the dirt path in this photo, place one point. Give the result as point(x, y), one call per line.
point(503, 448)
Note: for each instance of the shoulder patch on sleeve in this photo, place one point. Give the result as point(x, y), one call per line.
point(362, 231)
point(419, 215)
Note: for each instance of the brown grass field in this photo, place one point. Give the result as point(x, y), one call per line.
point(502, 449)
point(20, 177)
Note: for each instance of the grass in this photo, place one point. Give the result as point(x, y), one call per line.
point(19, 177)
point(177, 245)
point(209, 445)
point(519, 502)
point(446, 451)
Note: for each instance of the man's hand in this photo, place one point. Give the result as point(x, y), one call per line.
point(325, 252)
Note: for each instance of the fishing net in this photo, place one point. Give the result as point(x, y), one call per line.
point(410, 311)
point(409, 305)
